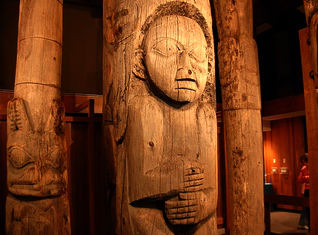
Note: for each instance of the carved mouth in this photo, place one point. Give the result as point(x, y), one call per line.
point(185, 88)
point(186, 84)
point(185, 79)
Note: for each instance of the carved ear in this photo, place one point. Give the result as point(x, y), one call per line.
point(55, 120)
point(17, 115)
point(139, 69)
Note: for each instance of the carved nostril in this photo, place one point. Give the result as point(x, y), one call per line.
point(189, 72)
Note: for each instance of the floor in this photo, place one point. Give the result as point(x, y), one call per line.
point(285, 223)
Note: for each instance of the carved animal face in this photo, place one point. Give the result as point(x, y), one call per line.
point(35, 158)
point(176, 57)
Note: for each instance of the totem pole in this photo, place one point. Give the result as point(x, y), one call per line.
point(37, 202)
point(159, 90)
point(311, 104)
point(239, 77)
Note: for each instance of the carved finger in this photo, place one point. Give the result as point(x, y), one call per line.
point(193, 177)
point(193, 171)
point(188, 196)
point(182, 210)
point(183, 221)
point(183, 203)
point(193, 183)
point(182, 215)
point(193, 188)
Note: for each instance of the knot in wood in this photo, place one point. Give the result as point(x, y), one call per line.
point(151, 144)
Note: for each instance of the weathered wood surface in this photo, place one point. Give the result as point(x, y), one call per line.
point(311, 107)
point(159, 91)
point(240, 86)
point(36, 151)
point(311, 11)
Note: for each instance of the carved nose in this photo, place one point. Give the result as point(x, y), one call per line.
point(184, 62)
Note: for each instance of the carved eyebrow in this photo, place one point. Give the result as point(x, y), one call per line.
point(179, 45)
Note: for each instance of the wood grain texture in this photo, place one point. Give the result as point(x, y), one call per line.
point(239, 75)
point(311, 11)
point(311, 105)
point(160, 114)
point(36, 149)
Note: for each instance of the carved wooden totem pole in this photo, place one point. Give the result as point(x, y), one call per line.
point(37, 202)
point(239, 76)
point(160, 111)
point(311, 104)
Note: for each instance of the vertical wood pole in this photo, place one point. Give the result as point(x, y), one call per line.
point(160, 112)
point(239, 75)
point(311, 108)
point(37, 202)
point(91, 166)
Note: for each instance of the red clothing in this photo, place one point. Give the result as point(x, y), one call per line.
point(303, 178)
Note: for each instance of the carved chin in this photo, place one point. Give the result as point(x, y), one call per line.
point(185, 95)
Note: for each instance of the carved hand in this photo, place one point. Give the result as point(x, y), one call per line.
point(188, 208)
point(191, 205)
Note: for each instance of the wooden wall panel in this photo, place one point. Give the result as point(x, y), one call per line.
point(79, 178)
point(282, 148)
point(268, 157)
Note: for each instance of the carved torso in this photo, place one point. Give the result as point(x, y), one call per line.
point(163, 143)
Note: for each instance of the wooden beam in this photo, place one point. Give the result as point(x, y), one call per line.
point(283, 106)
point(284, 115)
point(311, 106)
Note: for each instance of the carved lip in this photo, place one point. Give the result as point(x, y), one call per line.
point(186, 79)
point(185, 88)
point(186, 84)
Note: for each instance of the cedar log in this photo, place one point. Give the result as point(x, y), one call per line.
point(240, 86)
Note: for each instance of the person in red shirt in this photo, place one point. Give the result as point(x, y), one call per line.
point(303, 178)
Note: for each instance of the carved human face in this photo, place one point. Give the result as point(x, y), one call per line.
point(176, 57)
point(35, 158)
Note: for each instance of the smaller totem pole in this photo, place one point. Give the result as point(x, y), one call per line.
point(36, 161)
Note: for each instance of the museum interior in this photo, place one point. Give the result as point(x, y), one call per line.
point(281, 33)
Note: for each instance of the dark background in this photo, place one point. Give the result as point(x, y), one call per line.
point(276, 25)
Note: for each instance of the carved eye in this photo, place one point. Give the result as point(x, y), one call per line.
point(166, 47)
point(54, 158)
point(198, 53)
point(19, 158)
